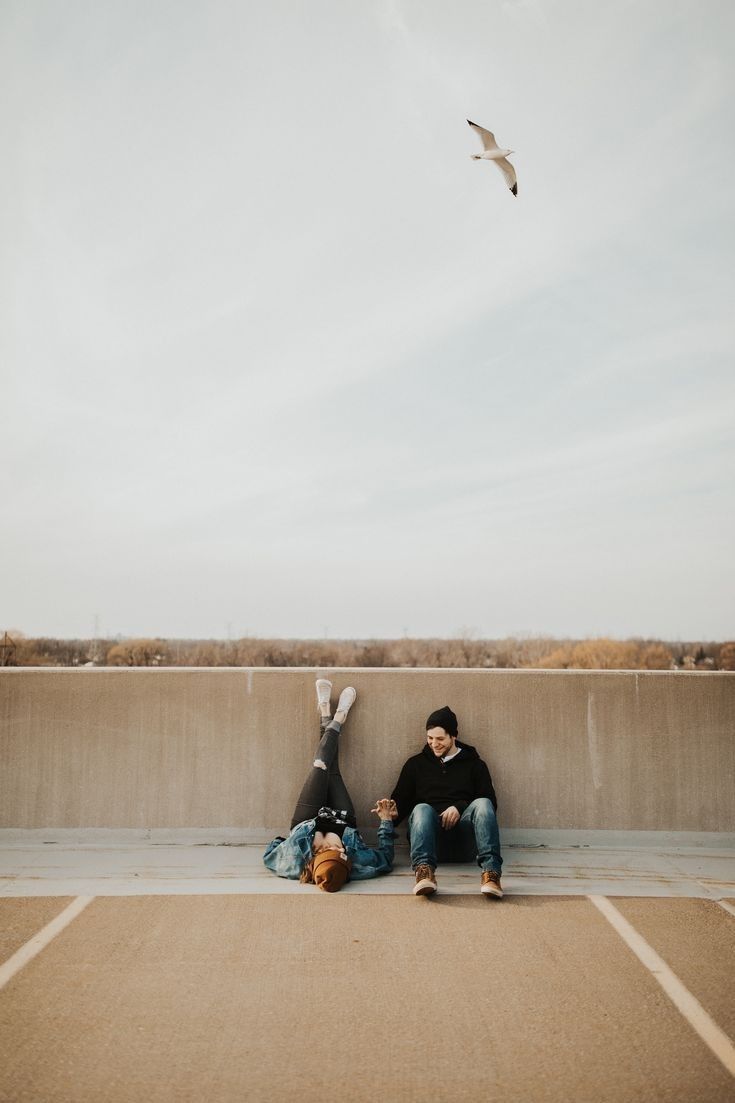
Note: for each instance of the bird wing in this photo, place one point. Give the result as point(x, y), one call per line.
point(487, 139)
point(509, 173)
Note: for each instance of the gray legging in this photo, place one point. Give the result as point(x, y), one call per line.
point(324, 787)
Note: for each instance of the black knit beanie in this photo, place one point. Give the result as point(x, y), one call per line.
point(443, 718)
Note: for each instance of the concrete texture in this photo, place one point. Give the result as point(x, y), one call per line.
point(126, 868)
point(146, 748)
point(697, 941)
point(21, 919)
point(534, 1000)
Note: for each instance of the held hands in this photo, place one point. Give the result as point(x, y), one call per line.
point(386, 809)
point(449, 817)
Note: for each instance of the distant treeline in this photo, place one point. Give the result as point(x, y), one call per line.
point(511, 653)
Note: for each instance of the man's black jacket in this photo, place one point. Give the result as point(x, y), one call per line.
point(425, 779)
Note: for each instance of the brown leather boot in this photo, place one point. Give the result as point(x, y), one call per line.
point(425, 881)
point(490, 884)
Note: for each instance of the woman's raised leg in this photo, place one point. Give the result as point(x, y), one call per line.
point(338, 796)
point(315, 790)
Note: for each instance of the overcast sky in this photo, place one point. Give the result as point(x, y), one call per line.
point(279, 358)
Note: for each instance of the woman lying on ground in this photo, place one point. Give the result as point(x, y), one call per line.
point(324, 846)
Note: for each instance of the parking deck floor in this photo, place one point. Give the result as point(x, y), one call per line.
point(608, 978)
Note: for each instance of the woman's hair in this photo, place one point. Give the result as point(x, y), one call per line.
point(307, 873)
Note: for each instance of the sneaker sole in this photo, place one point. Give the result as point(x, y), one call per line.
point(347, 699)
point(495, 892)
point(323, 691)
point(424, 888)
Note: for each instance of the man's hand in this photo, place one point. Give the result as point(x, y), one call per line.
point(386, 809)
point(449, 817)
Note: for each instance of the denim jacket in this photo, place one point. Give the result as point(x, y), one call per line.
point(287, 857)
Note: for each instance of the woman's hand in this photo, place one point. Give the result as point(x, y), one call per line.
point(386, 809)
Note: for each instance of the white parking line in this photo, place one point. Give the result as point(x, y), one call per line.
point(681, 997)
point(727, 906)
point(34, 945)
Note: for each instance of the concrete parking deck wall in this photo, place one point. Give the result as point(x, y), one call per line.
point(216, 748)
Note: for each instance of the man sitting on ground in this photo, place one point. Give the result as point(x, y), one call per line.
point(447, 793)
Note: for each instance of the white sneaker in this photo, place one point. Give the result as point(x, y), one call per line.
point(323, 694)
point(346, 700)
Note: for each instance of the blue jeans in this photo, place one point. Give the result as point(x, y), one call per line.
point(475, 837)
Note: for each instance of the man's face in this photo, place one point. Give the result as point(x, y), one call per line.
point(441, 742)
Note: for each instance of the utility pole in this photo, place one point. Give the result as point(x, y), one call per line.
point(95, 651)
point(7, 651)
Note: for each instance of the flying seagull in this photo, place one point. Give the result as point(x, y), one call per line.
point(492, 152)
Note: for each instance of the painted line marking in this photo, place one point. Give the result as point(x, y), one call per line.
point(727, 906)
point(39, 941)
point(681, 997)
